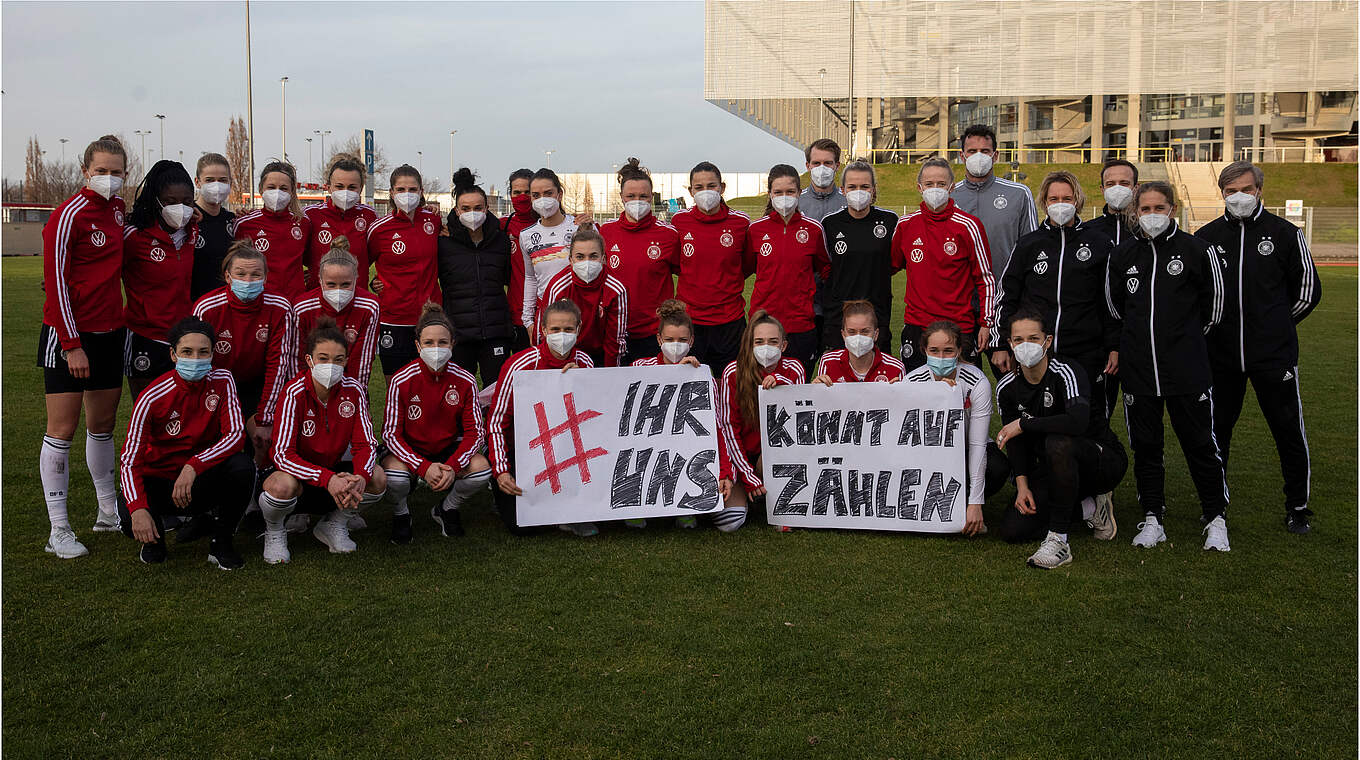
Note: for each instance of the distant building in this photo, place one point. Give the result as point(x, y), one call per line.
point(1157, 80)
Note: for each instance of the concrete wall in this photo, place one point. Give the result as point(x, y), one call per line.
point(21, 239)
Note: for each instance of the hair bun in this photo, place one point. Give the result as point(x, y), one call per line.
point(671, 307)
point(464, 178)
point(431, 307)
point(111, 138)
point(340, 243)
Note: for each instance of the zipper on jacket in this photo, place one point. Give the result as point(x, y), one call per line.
point(1152, 313)
point(1057, 320)
point(1241, 308)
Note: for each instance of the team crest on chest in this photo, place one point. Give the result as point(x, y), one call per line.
point(918, 255)
point(142, 362)
point(262, 334)
point(726, 240)
point(999, 201)
point(308, 428)
point(118, 217)
point(688, 249)
point(398, 247)
point(296, 232)
point(210, 401)
point(386, 340)
point(881, 379)
point(360, 223)
point(1084, 253)
point(614, 261)
point(351, 335)
point(766, 249)
point(200, 241)
point(429, 228)
point(1048, 399)
point(950, 247)
point(158, 254)
point(653, 251)
point(1175, 267)
point(97, 238)
point(413, 412)
point(801, 236)
point(346, 409)
point(907, 350)
point(323, 237)
point(880, 230)
point(1265, 247)
point(261, 243)
point(451, 397)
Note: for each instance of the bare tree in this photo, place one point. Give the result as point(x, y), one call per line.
point(238, 160)
point(11, 191)
point(433, 186)
point(63, 180)
point(35, 173)
point(354, 145)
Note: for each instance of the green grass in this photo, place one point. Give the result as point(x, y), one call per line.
point(665, 643)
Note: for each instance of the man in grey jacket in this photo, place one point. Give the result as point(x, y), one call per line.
point(820, 199)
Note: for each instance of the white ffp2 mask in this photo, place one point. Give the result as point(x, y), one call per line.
point(978, 164)
point(561, 343)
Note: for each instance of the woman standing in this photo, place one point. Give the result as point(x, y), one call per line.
point(521, 218)
point(601, 299)
point(341, 299)
point(341, 215)
point(544, 245)
point(81, 341)
point(213, 179)
point(404, 249)
point(474, 267)
point(643, 254)
point(279, 230)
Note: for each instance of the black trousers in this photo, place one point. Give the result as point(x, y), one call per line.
point(1070, 468)
point(640, 347)
point(519, 338)
point(1192, 418)
point(717, 345)
point(913, 356)
point(1277, 393)
point(396, 347)
point(803, 347)
point(486, 355)
point(222, 491)
point(1093, 364)
point(832, 338)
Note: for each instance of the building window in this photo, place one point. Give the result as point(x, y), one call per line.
point(1246, 103)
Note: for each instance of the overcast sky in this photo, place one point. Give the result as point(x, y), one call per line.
point(596, 82)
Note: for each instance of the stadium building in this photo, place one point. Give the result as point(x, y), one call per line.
point(1059, 81)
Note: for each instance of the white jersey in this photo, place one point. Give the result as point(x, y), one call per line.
point(545, 251)
point(978, 406)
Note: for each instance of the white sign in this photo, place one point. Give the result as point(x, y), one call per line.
point(615, 444)
point(1293, 208)
point(872, 456)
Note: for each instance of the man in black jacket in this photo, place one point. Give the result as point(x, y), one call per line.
point(1271, 285)
point(1166, 286)
point(1118, 178)
point(474, 267)
point(859, 244)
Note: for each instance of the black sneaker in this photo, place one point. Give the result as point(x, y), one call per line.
point(449, 521)
point(153, 553)
point(401, 529)
point(1297, 522)
point(223, 556)
point(194, 528)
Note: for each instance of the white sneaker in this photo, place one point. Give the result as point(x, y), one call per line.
point(1216, 535)
point(333, 531)
point(1102, 523)
point(62, 542)
point(108, 522)
point(584, 530)
point(1150, 533)
point(356, 521)
point(297, 523)
point(1053, 552)
point(276, 546)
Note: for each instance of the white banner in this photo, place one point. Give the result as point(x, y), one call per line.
point(871, 456)
point(615, 444)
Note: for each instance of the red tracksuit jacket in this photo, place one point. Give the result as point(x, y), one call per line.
point(785, 257)
point(283, 241)
point(503, 405)
point(311, 435)
point(327, 222)
point(428, 412)
point(358, 321)
point(724, 465)
point(82, 259)
point(405, 251)
point(743, 440)
point(254, 342)
point(713, 264)
point(176, 422)
point(156, 278)
point(836, 365)
point(604, 312)
point(947, 262)
point(512, 225)
point(645, 257)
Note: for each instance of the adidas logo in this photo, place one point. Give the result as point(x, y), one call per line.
point(325, 225)
point(1043, 256)
point(840, 235)
point(1288, 375)
point(615, 249)
point(396, 236)
point(174, 415)
point(415, 399)
point(1132, 270)
point(310, 413)
point(225, 335)
point(1203, 397)
point(767, 237)
point(917, 241)
point(689, 236)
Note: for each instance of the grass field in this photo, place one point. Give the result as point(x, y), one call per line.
point(668, 643)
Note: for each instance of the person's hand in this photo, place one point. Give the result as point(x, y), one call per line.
point(725, 488)
point(757, 490)
point(1011, 430)
point(824, 380)
point(769, 382)
point(1024, 500)
point(1112, 364)
point(439, 476)
point(375, 285)
point(1002, 359)
point(183, 488)
point(144, 527)
point(357, 484)
point(983, 335)
point(338, 488)
point(973, 524)
point(583, 219)
point(691, 361)
point(78, 363)
point(261, 437)
point(570, 365)
point(506, 482)
point(897, 379)
point(197, 217)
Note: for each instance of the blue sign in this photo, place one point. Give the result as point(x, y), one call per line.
point(368, 150)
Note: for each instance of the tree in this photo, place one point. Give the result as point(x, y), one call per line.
point(35, 173)
point(433, 186)
point(354, 145)
point(238, 159)
point(11, 191)
point(63, 180)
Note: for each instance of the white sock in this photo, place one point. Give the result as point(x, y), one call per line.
point(1088, 508)
point(399, 487)
point(276, 511)
point(465, 488)
point(54, 462)
point(101, 457)
point(1061, 536)
point(370, 499)
point(730, 519)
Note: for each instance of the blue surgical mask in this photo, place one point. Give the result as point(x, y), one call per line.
point(942, 366)
point(193, 370)
point(247, 290)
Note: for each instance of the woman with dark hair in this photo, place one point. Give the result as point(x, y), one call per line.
point(158, 265)
point(322, 417)
point(340, 215)
point(643, 254)
point(787, 252)
point(212, 177)
point(474, 268)
point(279, 230)
point(404, 249)
point(544, 245)
point(81, 339)
point(761, 363)
point(713, 268)
point(183, 450)
point(521, 218)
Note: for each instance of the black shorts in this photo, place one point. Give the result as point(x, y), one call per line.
point(103, 350)
point(144, 358)
point(803, 347)
point(913, 356)
point(315, 500)
point(396, 347)
point(718, 345)
point(641, 348)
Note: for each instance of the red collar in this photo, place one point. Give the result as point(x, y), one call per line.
point(647, 222)
point(946, 211)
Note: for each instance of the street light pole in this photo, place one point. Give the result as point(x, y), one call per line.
point(309, 158)
point(420, 160)
point(322, 134)
point(250, 112)
point(821, 112)
point(549, 153)
point(142, 133)
point(63, 142)
point(283, 115)
point(451, 134)
point(161, 116)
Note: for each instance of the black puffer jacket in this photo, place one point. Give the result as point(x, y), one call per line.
point(473, 277)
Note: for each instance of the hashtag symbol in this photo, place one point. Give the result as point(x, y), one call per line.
point(580, 459)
